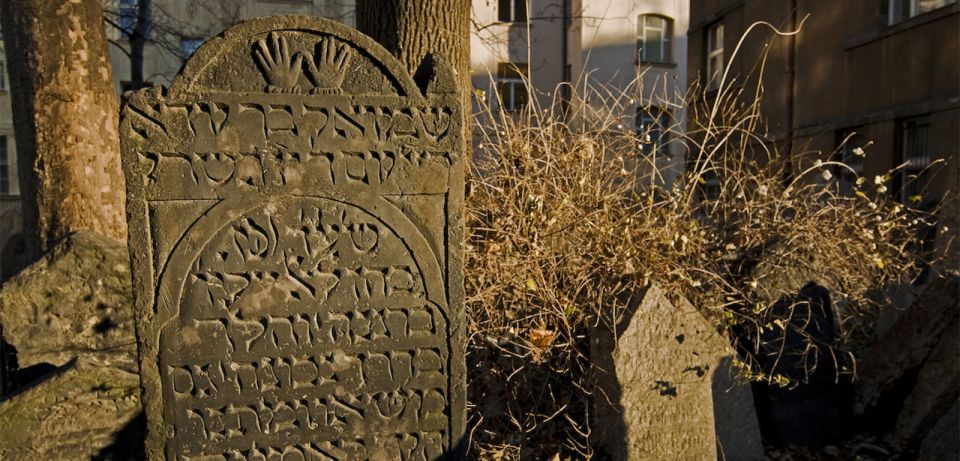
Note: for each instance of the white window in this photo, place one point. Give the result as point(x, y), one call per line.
point(901, 10)
point(653, 128)
point(915, 150)
point(512, 85)
point(714, 64)
point(512, 10)
point(653, 38)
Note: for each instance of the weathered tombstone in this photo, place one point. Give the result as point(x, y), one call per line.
point(295, 208)
point(665, 388)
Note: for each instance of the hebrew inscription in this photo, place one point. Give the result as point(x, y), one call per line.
point(295, 208)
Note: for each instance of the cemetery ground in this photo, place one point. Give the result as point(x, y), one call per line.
point(732, 314)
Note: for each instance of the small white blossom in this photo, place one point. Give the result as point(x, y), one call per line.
point(827, 175)
point(882, 189)
point(762, 190)
point(878, 180)
point(858, 151)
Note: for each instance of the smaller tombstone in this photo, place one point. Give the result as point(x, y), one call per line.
point(661, 375)
point(817, 408)
point(295, 208)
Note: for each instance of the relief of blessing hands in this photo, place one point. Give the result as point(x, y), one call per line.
point(281, 70)
point(328, 71)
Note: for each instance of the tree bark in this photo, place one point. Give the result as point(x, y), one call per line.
point(66, 115)
point(413, 29)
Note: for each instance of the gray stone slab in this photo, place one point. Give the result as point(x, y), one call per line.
point(295, 204)
point(665, 388)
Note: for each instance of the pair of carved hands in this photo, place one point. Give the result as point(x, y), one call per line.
point(282, 69)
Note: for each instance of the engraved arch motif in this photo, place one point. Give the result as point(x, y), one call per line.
point(277, 46)
point(304, 318)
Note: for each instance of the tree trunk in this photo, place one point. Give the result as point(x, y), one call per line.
point(66, 114)
point(412, 29)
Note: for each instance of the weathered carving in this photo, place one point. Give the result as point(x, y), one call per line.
point(287, 307)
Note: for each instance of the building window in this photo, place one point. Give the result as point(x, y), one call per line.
point(915, 154)
point(850, 145)
point(3, 74)
point(714, 64)
point(188, 46)
point(128, 16)
point(512, 10)
point(653, 38)
point(901, 10)
point(653, 128)
point(512, 86)
point(4, 167)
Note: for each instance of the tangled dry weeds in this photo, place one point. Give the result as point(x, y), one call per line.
point(567, 218)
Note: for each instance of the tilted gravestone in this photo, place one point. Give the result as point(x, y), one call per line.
point(295, 204)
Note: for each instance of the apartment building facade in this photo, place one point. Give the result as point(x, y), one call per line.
point(568, 48)
point(878, 75)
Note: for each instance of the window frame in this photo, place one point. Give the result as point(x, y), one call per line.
point(511, 77)
point(714, 56)
point(895, 13)
point(665, 43)
point(914, 136)
point(660, 120)
point(515, 11)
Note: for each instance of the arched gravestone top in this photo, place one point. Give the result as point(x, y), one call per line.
point(295, 204)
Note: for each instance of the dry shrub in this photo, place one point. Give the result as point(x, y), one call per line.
point(567, 219)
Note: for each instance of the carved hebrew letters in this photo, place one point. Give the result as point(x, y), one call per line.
point(296, 298)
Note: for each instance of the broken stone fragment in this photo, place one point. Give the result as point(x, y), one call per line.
point(75, 413)
point(75, 301)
